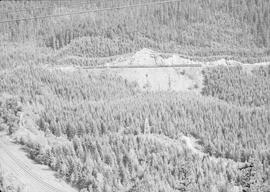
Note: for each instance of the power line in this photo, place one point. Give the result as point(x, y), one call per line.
point(40, 8)
point(91, 11)
point(48, 7)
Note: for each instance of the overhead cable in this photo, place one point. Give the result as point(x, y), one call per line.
point(91, 11)
point(44, 8)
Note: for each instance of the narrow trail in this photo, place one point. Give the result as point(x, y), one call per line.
point(33, 176)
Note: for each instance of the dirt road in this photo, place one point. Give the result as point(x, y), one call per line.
point(35, 177)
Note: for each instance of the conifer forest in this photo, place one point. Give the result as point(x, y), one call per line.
point(134, 96)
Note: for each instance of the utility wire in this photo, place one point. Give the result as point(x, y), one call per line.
point(44, 8)
point(91, 11)
point(50, 2)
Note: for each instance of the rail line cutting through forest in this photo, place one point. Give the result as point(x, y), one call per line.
point(26, 174)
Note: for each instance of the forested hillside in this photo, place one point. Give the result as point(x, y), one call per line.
point(104, 126)
point(236, 85)
point(214, 27)
point(101, 132)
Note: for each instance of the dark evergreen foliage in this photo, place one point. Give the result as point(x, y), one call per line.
point(101, 121)
point(235, 85)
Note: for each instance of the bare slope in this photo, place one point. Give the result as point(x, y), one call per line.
point(157, 79)
point(137, 67)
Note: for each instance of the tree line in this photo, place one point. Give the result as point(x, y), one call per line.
point(237, 85)
point(100, 125)
point(214, 26)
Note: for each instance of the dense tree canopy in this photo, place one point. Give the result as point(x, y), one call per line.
point(101, 121)
point(102, 133)
point(236, 85)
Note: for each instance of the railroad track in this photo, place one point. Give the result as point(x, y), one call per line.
point(19, 168)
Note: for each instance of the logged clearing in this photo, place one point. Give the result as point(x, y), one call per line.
point(157, 78)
